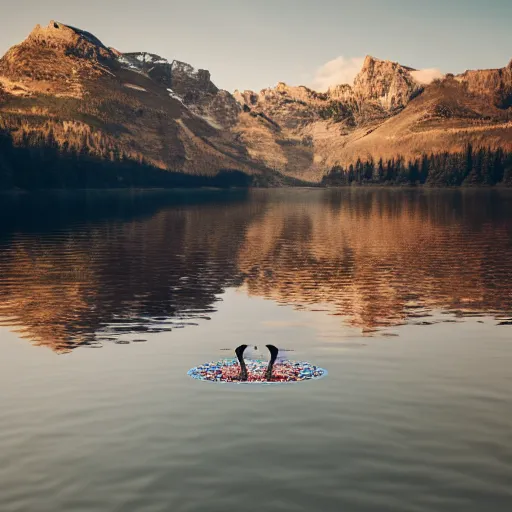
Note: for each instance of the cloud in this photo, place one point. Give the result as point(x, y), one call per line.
point(337, 71)
point(425, 76)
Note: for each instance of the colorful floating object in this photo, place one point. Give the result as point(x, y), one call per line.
point(253, 371)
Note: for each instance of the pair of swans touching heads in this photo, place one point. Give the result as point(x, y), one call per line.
point(239, 351)
point(250, 367)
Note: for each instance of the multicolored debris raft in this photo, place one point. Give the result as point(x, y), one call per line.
point(228, 370)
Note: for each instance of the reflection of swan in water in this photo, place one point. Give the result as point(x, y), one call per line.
point(239, 351)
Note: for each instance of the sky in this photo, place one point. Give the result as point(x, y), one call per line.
point(255, 44)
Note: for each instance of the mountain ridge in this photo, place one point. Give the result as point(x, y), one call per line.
point(64, 86)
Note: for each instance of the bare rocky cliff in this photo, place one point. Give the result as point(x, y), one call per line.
point(388, 84)
point(495, 84)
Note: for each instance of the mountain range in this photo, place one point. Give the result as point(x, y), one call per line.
point(67, 99)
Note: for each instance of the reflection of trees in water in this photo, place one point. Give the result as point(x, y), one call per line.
point(86, 281)
point(83, 268)
point(380, 256)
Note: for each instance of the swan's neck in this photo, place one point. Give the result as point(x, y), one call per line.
point(243, 370)
point(240, 356)
point(273, 356)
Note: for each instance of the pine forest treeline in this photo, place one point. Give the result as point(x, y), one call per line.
point(39, 161)
point(74, 157)
point(471, 167)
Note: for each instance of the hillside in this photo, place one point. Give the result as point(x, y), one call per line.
point(385, 114)
point(62, 86)
point(70, 101)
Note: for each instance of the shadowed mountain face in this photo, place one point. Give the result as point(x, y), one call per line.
point(117, 267)
point(63, 88)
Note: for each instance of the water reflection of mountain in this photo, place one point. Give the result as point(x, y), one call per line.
point(379, 257)
point(79, 269)
point(117, 264)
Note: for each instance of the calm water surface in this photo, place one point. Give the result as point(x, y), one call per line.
point(108, 298)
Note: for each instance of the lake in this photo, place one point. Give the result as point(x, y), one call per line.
point(108, 298)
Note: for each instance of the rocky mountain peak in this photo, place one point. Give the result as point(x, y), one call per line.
point(495, 84)
point(72, 40)
point(186, 80)
point(369, 61)
point(342, 92)
point(297, 93)
point(181, 77)
point(153, 65)
point(56, 53)
point(246, 98)
point(387, 83)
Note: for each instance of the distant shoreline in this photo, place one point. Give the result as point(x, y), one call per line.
point(184, 190)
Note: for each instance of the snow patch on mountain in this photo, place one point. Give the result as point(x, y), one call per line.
point(175, 96)
point(141, 60)
point(126, 63)
point(184, 68)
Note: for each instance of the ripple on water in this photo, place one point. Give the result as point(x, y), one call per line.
point(415, 417)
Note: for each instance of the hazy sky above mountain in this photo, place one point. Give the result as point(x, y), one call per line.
point(250, 44)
